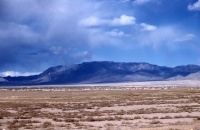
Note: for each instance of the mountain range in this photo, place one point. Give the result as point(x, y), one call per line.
point(105, 72)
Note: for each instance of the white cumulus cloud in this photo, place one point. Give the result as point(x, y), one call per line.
point(123, 20)
point(148, 27)
point(195, 6)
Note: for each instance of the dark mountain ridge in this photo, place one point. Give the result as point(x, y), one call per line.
point(104, 72)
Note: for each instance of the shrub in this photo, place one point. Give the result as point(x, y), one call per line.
point(137, 117)
point(91, 119)
point(166, 117)
point(46, 124)
point(155, 117)
point(155, 122)
point(70, 120)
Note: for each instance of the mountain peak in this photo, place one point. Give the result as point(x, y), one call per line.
point(106, 71)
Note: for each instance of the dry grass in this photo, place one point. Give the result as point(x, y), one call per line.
point(46, 124)
point(84, 109)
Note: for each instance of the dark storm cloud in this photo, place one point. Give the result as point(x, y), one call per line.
point(36, 34)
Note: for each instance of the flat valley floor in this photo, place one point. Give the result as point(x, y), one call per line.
point(170, 109)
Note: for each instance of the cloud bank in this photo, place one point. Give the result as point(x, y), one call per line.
point(16, 74)
point(41, 35)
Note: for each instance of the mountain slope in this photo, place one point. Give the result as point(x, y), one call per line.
point(104, 72)
point(97, 72)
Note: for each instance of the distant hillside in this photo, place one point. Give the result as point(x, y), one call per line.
point(106, 72)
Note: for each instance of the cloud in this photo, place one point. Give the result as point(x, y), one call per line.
point(166, 37)
point(49, 33)
point(42, 35)
point(184, 38)
point(99, 38)
point(123, 20)
point(148, 27)
point(116, 33)
point(14, 31)
point(195, 6)
point(108, 38)
point(113, 31)
point(94, 21)
point(15, 73)
point(160, 36)
point(57, 50)
point(141, 2)
point(125, 1)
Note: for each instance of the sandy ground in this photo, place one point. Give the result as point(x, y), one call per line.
point(173, 109)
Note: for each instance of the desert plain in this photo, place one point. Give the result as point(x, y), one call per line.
point(133, 108)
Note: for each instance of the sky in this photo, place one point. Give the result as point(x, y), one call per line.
point(38, 34)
